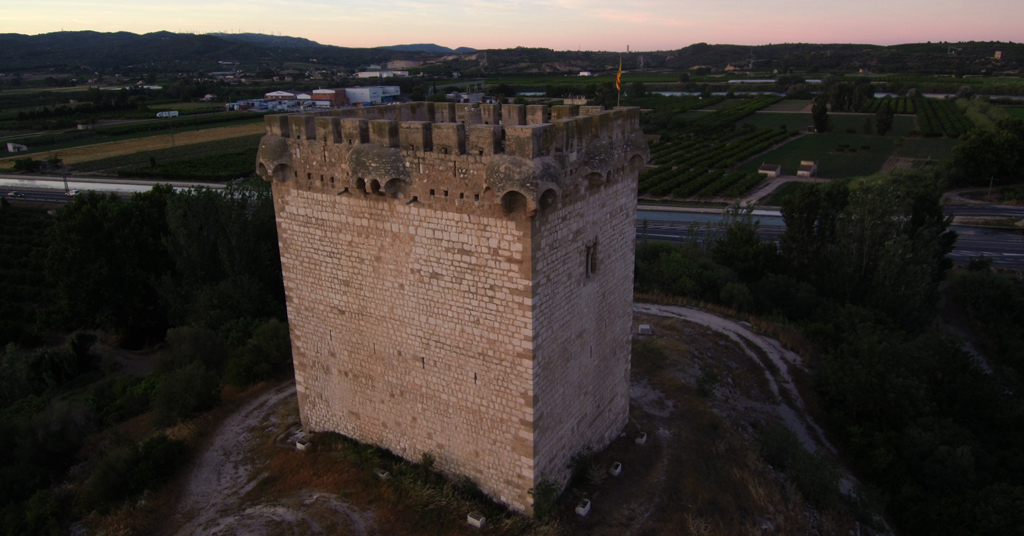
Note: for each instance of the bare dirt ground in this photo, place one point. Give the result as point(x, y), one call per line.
point(217, 498)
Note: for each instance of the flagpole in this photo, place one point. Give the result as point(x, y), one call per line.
point(618, 83)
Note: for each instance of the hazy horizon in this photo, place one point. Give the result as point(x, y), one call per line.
point(646, 25)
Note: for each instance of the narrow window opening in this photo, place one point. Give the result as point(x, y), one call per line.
point(591, 258)
point(476, 197)
point(446, 193)
point(431, 191)
point(309, 176)
point(462, 195)
point(321, 179)
point(332, 181)
point(423, 360)
point(474, 377)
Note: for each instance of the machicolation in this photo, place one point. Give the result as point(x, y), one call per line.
point(459, 279)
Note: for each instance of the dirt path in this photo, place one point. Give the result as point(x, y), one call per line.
point(214, 502)
point(795, 418)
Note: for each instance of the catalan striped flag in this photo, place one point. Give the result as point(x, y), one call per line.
point(618, 77)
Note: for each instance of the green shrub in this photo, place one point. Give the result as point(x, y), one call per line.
point(545, 495)
point(127, 472)
point(188, 345)
point(267, 355)
point(184, 393)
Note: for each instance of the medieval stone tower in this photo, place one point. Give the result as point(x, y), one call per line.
point(459, 279)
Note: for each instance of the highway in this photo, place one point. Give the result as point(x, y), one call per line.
point(1004, 247)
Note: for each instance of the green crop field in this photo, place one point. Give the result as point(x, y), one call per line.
point(1017, 112)
point(934, 148)
point(110, 166)
point(901, 124)
point(722, 104)
point(559, 80)
point(182, 106)
point(784, 191)
point(788, 106)
point(825, 150)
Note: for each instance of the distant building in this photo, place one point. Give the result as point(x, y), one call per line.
point(808, 168)
point(382, 74)
point(585, 73)
point(999, 54)
point(371, 94)
point(771, 170)
point(15, 147)
point(279, 95)
point(208, 97)
point(575, 102)
point(333, 97)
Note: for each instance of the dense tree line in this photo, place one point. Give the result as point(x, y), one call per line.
point(196, 271)
point(858, 270)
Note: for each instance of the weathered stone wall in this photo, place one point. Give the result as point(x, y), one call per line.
point(437, 280)
point(581, 326)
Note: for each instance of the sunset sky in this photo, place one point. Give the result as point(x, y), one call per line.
point(558, 24)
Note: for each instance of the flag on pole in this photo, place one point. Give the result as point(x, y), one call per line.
point(618, 77)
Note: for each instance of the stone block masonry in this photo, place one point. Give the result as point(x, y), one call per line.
point(459, 280)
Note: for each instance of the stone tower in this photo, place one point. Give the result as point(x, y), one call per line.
point(459, 279)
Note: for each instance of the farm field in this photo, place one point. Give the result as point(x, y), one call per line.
point(722, 104)
point(934, 148)
point(781, 193)
point(187, 106)
point(98, 151)
point(901, 124)
point(215, 160)
point(43, 143)
point(790, 106)
point(1016, 111)
point(556, 80)
point(824, 149)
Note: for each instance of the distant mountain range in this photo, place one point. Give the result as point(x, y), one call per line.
point(166, 52)
point(264, 40)
point(432, 48)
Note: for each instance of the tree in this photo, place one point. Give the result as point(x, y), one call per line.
point(638, 90)
point(878, 241)
point(684, 77)
point(883, 118)
point(820, 113)
point(984, 155)
point(104, 256)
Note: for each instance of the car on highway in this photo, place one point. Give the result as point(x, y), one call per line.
point(15, 194)
point(71, 193)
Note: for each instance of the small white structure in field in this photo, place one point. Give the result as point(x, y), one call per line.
point(476, 519)
point(383, 475)
point(583, 508)
point(16, 147)
point(641, 439)
point(615, 469)
point(645, 329)
point(171, 113)
point(808, 168)
point(772, 170)
point(585, 73)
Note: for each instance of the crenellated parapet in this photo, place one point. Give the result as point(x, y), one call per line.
point(487, 153)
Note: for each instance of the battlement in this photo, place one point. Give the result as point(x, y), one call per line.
point(529, 131)
point(396, 150)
